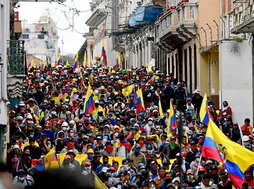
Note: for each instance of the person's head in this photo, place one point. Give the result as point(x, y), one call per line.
point(247, 121)
point(90, 154)
point(71, 133)
point(248, 175)
point(225, 103)
point(168, 177)
point(193, 146)
point(176, 181)
point(87, 166)
point(190, 175)
point(31, 142)
point(105, 159)
point(137, 149)
point(108, 146)
point(27, 152)
point(31, 102)
point(71, 154)
point(213, 170)
point(161, 172)
point(115, 164)
point(235, 126)
point(206, 180)
point(224, 177)
point(172, 140)
point(21, 174)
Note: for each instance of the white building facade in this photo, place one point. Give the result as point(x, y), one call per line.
point(4, 38)
point(41, 40)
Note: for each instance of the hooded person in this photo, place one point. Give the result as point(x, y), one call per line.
point(137, 156)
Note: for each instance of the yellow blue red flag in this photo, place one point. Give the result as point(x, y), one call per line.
point(89, 105)
point(236, 158)
point(128, 90)
point(171, 119)
point(139, 101)
point(203, 113)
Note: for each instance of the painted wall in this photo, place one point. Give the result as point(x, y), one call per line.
point(236, 78)
point(4, 37)
point(207, 14)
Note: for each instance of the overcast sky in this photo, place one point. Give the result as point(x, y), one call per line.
point(62, 15)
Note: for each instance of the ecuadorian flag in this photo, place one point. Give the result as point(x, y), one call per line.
point(203, 113)
point(89, 105)
point(50, 159)
point(104, 55)
point(171, 119)
point(235, 157)
point(138, 96)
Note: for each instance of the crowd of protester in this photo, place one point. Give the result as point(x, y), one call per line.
point(152, 156)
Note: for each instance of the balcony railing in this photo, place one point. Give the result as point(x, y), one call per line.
point(243, 14)
point(185, 13)
point(16, 57)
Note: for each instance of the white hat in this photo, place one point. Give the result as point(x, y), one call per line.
point(196, 91)
point(16, 146)
point(72, 122)
point(176, 179)
point(116, 127)
point(29, 116)
point(64, 124)
point(246, 138)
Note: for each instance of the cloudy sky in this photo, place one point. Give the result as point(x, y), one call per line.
point(63, 16)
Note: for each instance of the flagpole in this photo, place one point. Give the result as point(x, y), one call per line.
point(180, 137)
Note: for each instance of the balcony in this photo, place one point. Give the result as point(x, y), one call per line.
point(96, 18)
point(243, 16)
point(16, 57)
point(177, 25)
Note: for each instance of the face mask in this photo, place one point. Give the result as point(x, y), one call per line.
point(85, 142)
point(224, 105)
point(246, 143)
point(137, 150)
point(90, 157)
point(87, 169)
point(71, 134)
point(30, 122)
point(64, 128)
point(149, 151)
point(150, 123)
point(158, 155)
point(105, 162)
point(168, 180)
point(21, 178)
point(70, 146)
point(155, 115)
point(190, 177)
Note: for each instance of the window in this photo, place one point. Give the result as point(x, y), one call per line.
point(25, 36)
point(192, 12)
point(195, 67)
point(183, 13)
point(190, 68)
point(170, 20)
point(41, 36)
point(179, 15)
